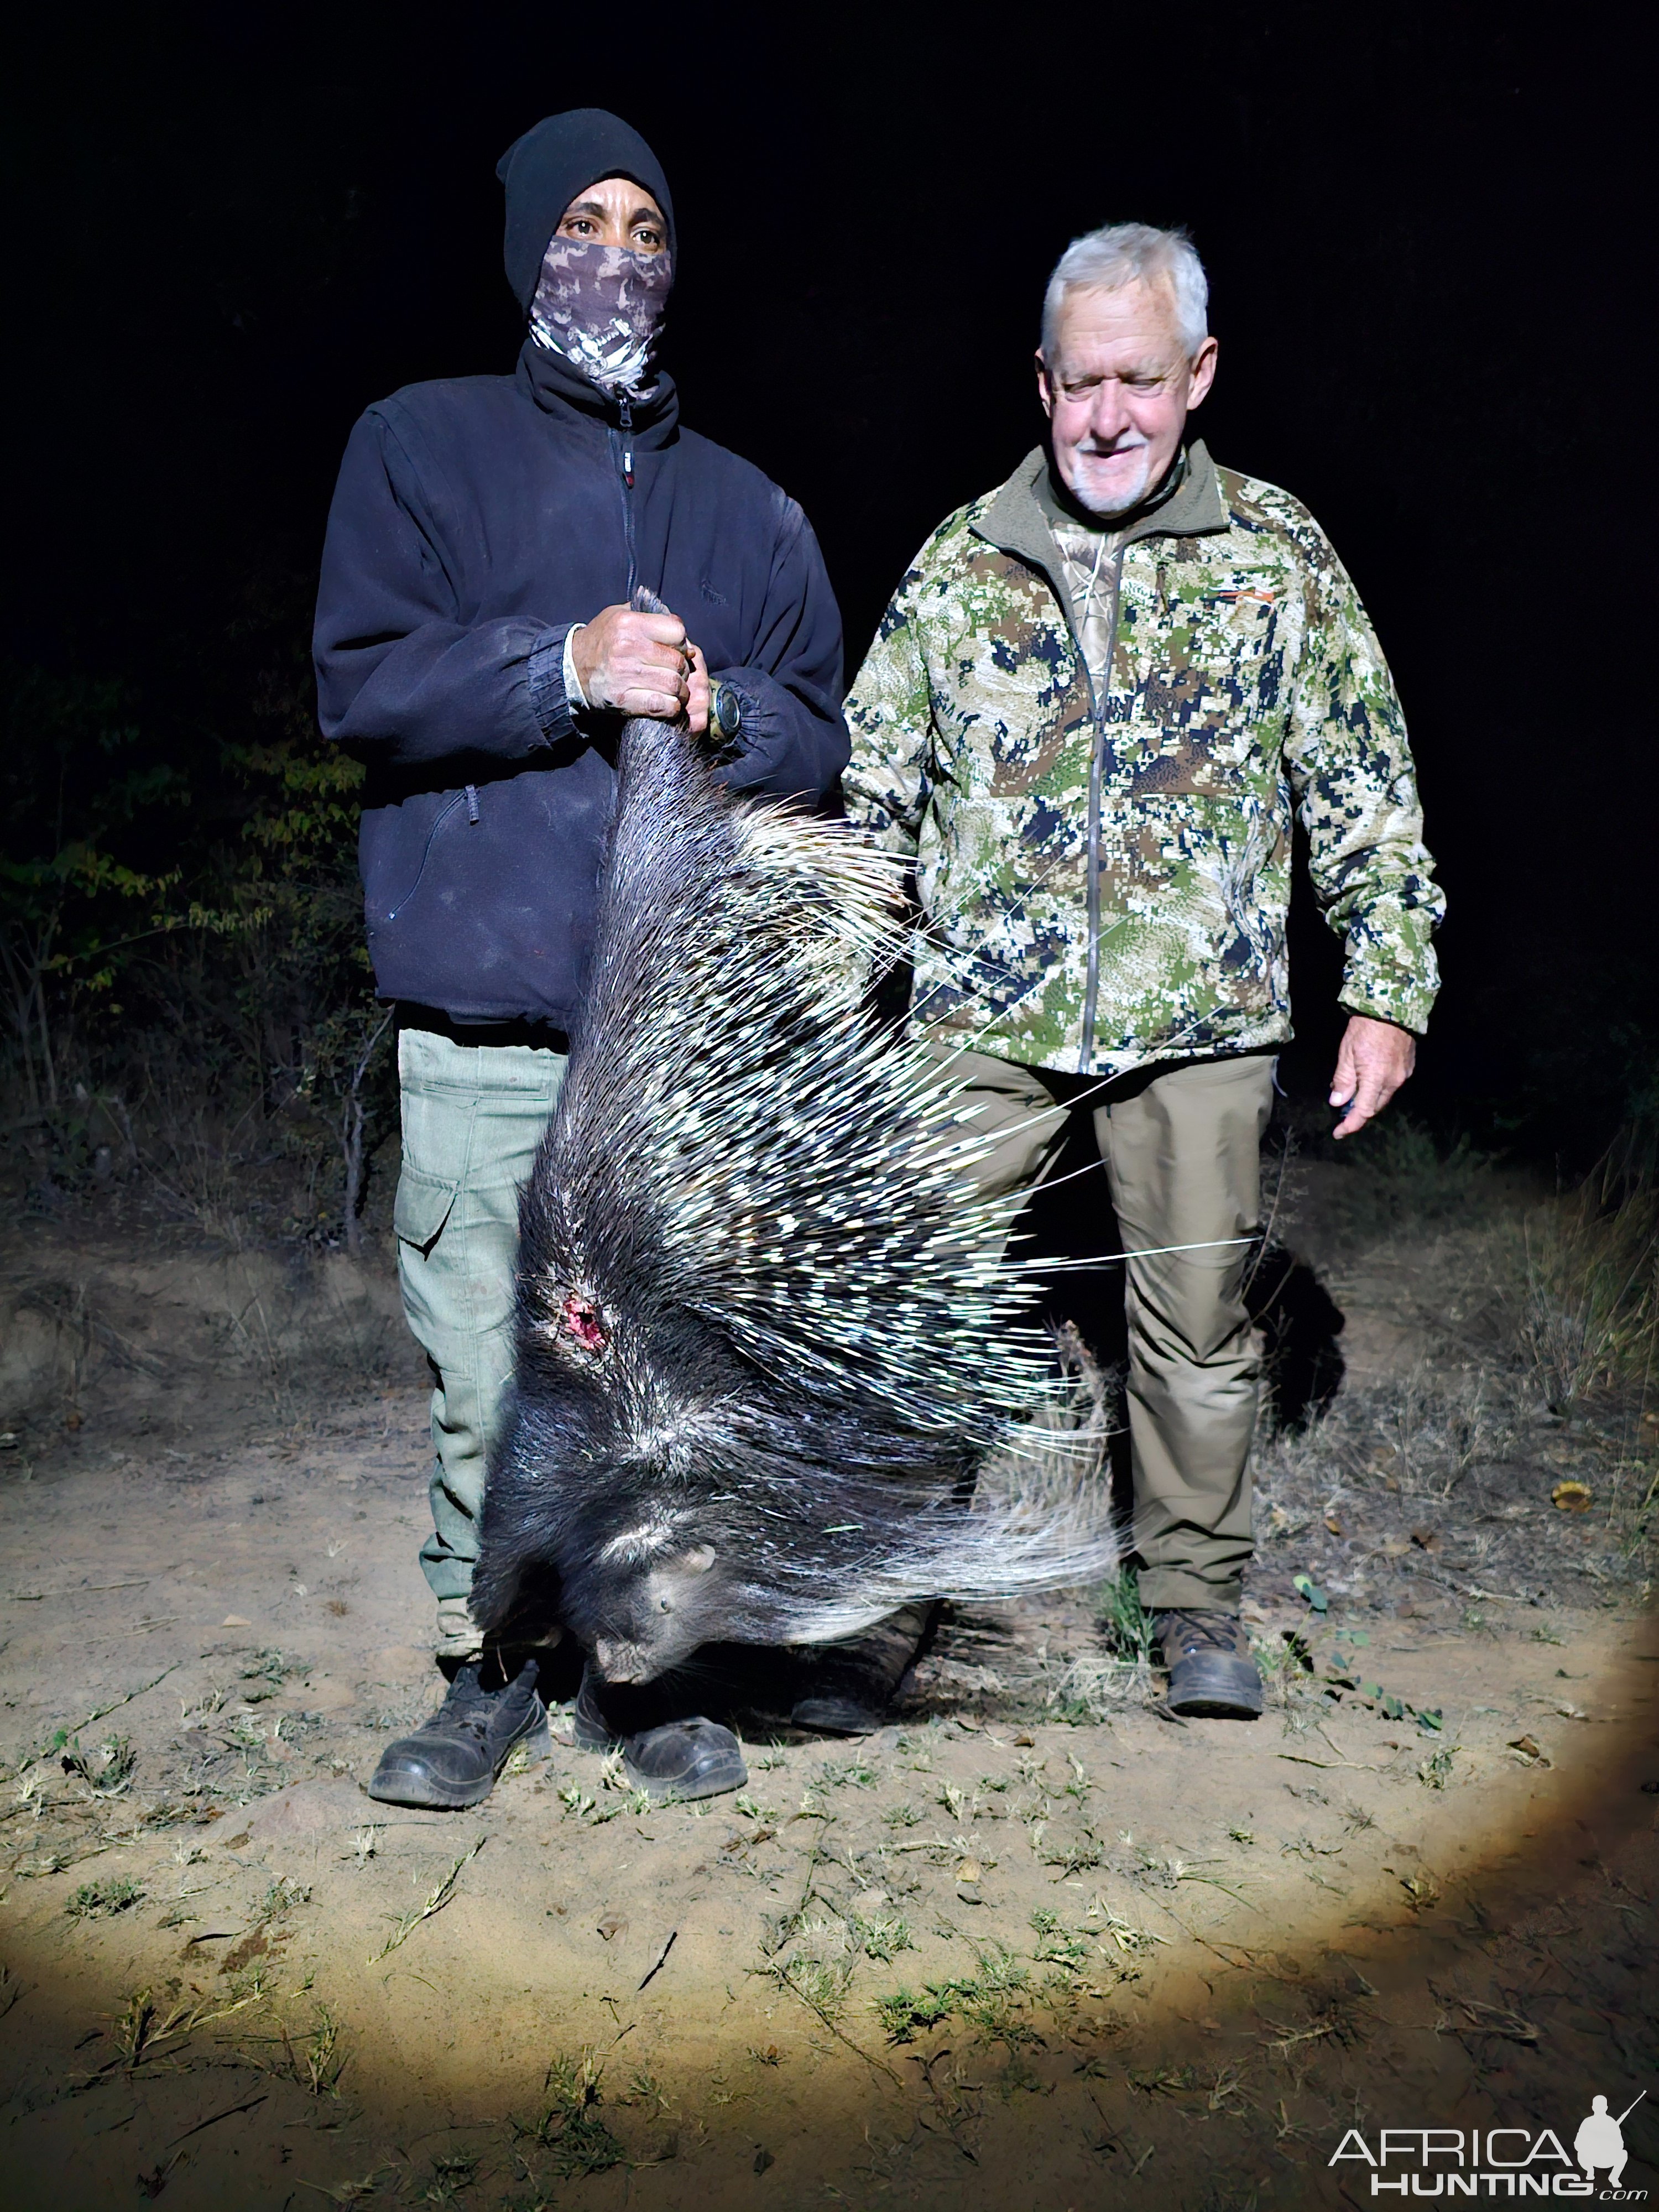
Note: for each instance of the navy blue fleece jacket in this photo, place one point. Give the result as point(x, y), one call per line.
point(475, 520)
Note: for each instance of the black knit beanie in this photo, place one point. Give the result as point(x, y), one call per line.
point(545, 169)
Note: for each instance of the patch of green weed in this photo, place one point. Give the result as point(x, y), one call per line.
point(1078, 1856)
point(282, 1896)
point(1126, 1626)
point(906, 2014)
point(860, 1772)
point(314, 2059)
point(451, 2173)
point(101, 1900)
point(994, 2000)
point(108, 1772)
point(820, 1968)
point(267, 1672)
point(885, 1936)
point(570, 2128)
point(1058, 1946)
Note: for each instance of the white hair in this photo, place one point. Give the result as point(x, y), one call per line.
point(1129, 253)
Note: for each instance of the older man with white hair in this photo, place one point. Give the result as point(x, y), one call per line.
point(1095, 703)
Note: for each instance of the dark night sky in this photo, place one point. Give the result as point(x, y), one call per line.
point(232, 227)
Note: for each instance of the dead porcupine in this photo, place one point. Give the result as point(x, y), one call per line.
point(766, 1336)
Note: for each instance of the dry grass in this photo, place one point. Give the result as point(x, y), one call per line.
point(1589, 1313)
point(1090, 1685)
point(1396, 1178)
point(1420, 1435)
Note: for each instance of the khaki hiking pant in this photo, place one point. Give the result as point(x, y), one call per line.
point(1182, 1152)
point(472, 1117)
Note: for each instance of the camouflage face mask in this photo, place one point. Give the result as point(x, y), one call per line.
point(601, 307)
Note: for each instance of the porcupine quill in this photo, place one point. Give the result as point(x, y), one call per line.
point(767, 1346)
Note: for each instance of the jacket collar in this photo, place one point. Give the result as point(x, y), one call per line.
point(1018, 519)
point(559, 388)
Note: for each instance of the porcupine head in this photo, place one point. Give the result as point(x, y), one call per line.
point(764, 1335)
point(600, 1512)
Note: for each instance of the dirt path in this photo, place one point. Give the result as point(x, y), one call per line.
point(1038, 1946)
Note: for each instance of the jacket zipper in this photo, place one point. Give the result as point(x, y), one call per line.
point(1096, 775)
point(624, 448)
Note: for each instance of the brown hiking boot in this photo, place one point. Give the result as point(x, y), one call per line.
point(1212, 1673)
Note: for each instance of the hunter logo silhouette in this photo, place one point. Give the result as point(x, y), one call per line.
point(1600, 2141)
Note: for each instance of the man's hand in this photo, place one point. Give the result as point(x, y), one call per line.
point(641, 665)
point(696, 712)
point(1374, 1059)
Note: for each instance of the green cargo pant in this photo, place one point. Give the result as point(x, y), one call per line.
point(1182, 1152)
point(472, 1117)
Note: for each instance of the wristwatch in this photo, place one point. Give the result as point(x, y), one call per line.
point(725, 715)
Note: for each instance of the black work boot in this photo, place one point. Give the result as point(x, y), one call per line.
point(677, 1758)
point(852, 1684)
point(1211, 1670)
point(454, 1759)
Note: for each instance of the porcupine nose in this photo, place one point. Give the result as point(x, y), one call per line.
point(618, 1662)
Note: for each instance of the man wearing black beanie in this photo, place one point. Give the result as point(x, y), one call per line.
point(476, 649)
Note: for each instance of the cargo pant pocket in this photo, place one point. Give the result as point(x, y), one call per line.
point(432, 1261)
point(422, 1206)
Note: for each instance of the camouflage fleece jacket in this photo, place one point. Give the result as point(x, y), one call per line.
point(1104, 866)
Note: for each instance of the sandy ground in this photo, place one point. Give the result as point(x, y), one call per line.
point(1038, 1944)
